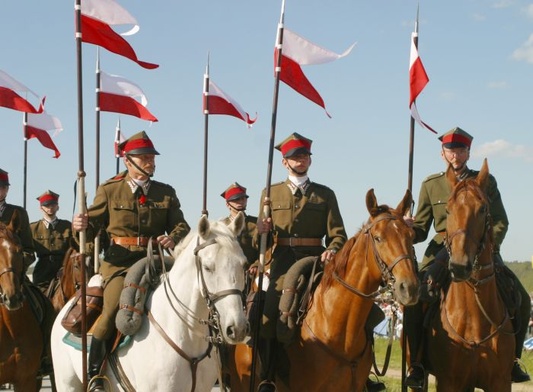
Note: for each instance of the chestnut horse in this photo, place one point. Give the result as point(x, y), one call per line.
point(68, 279)
point(471, 344)
point(333, 351)
point(21, 341)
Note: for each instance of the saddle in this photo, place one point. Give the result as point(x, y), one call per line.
point(299, 284)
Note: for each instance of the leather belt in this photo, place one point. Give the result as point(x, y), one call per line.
point(297, 241)
point(133, 241)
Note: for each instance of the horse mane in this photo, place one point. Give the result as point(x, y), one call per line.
point(339, 263)
point(217, 229)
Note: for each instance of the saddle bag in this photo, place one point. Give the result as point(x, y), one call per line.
point(94, 299)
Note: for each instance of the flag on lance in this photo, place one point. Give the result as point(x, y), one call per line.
point(38, 125)
point(97, 17)
point(119, 95)
point(9, 98)
point(297, 51)
point(217, 101)
point(418, 79)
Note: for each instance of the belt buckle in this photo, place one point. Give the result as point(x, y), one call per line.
point(139, 241)
point(290, 242)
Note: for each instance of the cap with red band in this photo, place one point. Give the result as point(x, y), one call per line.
point(48, 198)
point(295, 144)
point(456, 138)
point(234, 192)
point(137, 144)
point(4, 178)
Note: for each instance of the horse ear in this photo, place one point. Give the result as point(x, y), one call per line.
point(405, 205)
point(482, 178)
point(371, 202)
point(237, 224)
point(203, 227)
point(450, 175)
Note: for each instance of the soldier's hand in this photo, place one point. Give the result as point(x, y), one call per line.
point(80, 222)
point(409, 220)
point(327, 255)
point(166, 241)
point(264, 225)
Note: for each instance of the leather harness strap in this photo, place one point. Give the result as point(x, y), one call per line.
point(193, 362)
point(297, 241)
point(133, 241)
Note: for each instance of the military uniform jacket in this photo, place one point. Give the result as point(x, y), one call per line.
point(21, 225)
point(314, 214)
point(121, 213)
point(434, 194)
point(246, 238)
point(51, 244)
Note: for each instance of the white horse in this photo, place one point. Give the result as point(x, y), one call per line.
point(173, 352)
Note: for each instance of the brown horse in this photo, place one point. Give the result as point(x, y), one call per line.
point(20, 333)
point(333, 349)
point(471, 344)
point(68, 279)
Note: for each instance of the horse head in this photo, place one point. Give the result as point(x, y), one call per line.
point(468, 225)
point(11, 269)
point(392, 244)
point(220, 265)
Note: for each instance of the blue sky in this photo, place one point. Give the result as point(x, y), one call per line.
point(478, 55)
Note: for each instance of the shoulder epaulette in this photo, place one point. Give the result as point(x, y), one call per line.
point(434, 176)
point(158, 183)
point(118, 177)
point(320, 185)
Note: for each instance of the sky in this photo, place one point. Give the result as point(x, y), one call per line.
point(478, 55)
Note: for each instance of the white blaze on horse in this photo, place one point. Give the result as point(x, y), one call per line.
point(198, 305)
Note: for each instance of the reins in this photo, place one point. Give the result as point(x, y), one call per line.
point(475, 283)
point(215, 336)
point(386, 271)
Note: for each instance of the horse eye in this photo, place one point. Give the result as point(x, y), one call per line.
point(377, 239)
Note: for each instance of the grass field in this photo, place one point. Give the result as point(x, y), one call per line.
point(392, 379)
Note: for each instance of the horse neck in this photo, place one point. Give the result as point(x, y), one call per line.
point(181, 286)
point(345, 308)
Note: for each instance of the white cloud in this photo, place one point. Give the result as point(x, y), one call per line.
point(502, 4)
point(525, 52)
point(529, 11)
point(498, 85)
point(505, 149)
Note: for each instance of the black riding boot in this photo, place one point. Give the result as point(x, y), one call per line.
point(267, 353)
point(413, 330)
point(520, 324)
point(97, 355)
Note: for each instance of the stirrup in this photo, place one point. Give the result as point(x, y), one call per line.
point(266, 386)
point(96, 384)
point(416, 377)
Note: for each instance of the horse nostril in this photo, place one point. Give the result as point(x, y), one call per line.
point(230, 332)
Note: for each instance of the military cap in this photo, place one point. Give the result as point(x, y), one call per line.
point(139, 143)
point(234, 192)
point(295, 144)
point(456, 138)
point(48, 198)
point(4, 177)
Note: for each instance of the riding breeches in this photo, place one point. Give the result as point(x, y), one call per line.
point(105, 326)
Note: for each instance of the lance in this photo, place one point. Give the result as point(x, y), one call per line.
point(97, 246)
point(81, 189)
point(206, 135)
point(410, 187)
point(266, 201)
point(25, 182)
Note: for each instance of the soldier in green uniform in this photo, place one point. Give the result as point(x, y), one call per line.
point(133, 209)
point(17, 217)
point(434, 194)
point(236, 201)
point(305, 221)
point(51, 237)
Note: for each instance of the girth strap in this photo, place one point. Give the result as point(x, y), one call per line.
point(193, 362)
